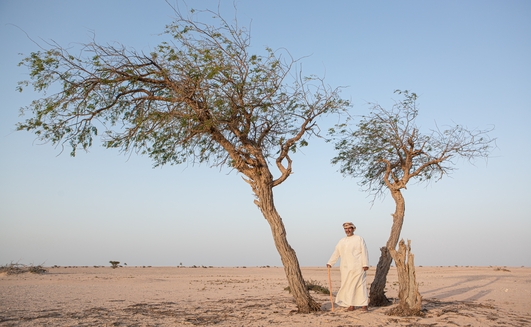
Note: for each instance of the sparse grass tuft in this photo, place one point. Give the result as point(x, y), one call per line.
point(18, 268)
point(313, 285)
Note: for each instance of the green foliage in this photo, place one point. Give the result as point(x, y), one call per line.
point(114, 264)
point(199, 96)
point(387, 150)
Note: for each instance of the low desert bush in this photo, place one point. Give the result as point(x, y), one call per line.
point(313, 285)
point(18, 268)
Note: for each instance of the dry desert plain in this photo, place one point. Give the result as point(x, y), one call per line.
point(251, 296)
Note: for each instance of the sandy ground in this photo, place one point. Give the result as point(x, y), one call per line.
point(252, 296)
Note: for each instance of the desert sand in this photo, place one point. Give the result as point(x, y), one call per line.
point(251, 296)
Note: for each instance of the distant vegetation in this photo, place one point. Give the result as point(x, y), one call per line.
point(18, 268)
point(114, 264)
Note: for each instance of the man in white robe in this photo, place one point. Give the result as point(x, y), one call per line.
point(353, 266)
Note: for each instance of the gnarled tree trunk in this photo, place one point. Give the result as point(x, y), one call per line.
point(377, 296)
point(408, 293)
point(305, 303)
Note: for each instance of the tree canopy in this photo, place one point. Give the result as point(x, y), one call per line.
point(387, 149)
point(197, 97)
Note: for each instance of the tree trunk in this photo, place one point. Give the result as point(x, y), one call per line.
point(377, 296)
point(305, 303)
point(408, 293)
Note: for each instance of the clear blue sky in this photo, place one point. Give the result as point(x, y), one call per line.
point(470, 62)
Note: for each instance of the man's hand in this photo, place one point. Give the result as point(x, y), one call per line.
point(328, 265)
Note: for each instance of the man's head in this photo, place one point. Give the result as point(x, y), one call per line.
point(349, 228)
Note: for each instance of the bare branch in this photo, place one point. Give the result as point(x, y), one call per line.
point(388, 150)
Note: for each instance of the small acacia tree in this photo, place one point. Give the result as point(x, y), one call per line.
point(201, 97)
point(387, 151)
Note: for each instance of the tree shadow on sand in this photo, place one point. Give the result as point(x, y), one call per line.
point(449, 291)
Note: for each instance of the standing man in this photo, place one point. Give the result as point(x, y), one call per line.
point(353, 266)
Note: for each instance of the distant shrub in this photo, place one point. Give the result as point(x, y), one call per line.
point(17, 268)
point(114, 264)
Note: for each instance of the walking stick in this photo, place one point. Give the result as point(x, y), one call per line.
point(330, 285)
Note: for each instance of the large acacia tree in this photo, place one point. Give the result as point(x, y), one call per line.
point(200, 97)
point(387, 151)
